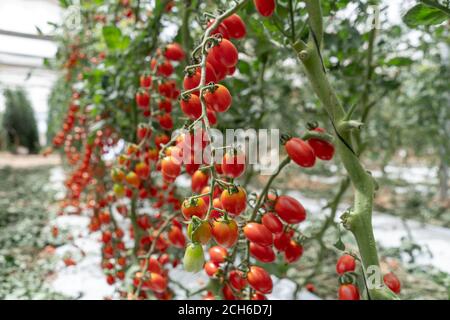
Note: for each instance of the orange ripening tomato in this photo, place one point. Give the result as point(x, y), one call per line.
point(199, 181)
point(226, 233)
point(200, 234)
point(196, 207)
point(234, 201)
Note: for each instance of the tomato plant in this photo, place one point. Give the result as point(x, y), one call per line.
point(161, 100)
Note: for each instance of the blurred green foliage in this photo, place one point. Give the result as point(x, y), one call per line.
point(19, 121)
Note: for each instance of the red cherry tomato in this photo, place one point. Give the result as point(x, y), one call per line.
point(219, 99)
point(211, 268)
point(228, 293)
point(192, 81)
point(165, 68)
point(212, 117)
point(217, 254)
point(265, 8)
point(346, 263)
point(221, 29)
point(272, 222)
point(281, 241)
point(263, 254)
point(143, 99)
point(215, 214)
point(191, 106)
point(392, 282)
point(233, 165)
point(322, 149)
point(165, 121)
point(219, 69)
point(237, 280)
point(293, 251)
point(300, 152)
point(258, 233)
point(235, 26)
point(174, 52)
point(170, 166)
point(157, 282)
point(225, 53)
point(348, 292)
point(146, 81)
point(176, 237)
point(259, 279)
point(165, 105)
point(289, 209)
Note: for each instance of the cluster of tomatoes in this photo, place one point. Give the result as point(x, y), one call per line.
point(220, 62)
point(348, 290)
point(165, 89)
point(304, 153)
point(214, 211)
point(217, 221)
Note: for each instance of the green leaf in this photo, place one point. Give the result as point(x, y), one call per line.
point(400, 61)
point(114, 39)
point(423, 15)
point(112, 36)
point(65, 3)
point(339, 245)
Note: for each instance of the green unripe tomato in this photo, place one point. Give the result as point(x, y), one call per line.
point(193, 258)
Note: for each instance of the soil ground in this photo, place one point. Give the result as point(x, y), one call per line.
point(28, 161)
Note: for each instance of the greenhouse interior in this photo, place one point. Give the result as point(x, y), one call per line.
point(224, 150)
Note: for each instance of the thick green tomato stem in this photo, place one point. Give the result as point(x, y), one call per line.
point(314, 10)
point(359, 219)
